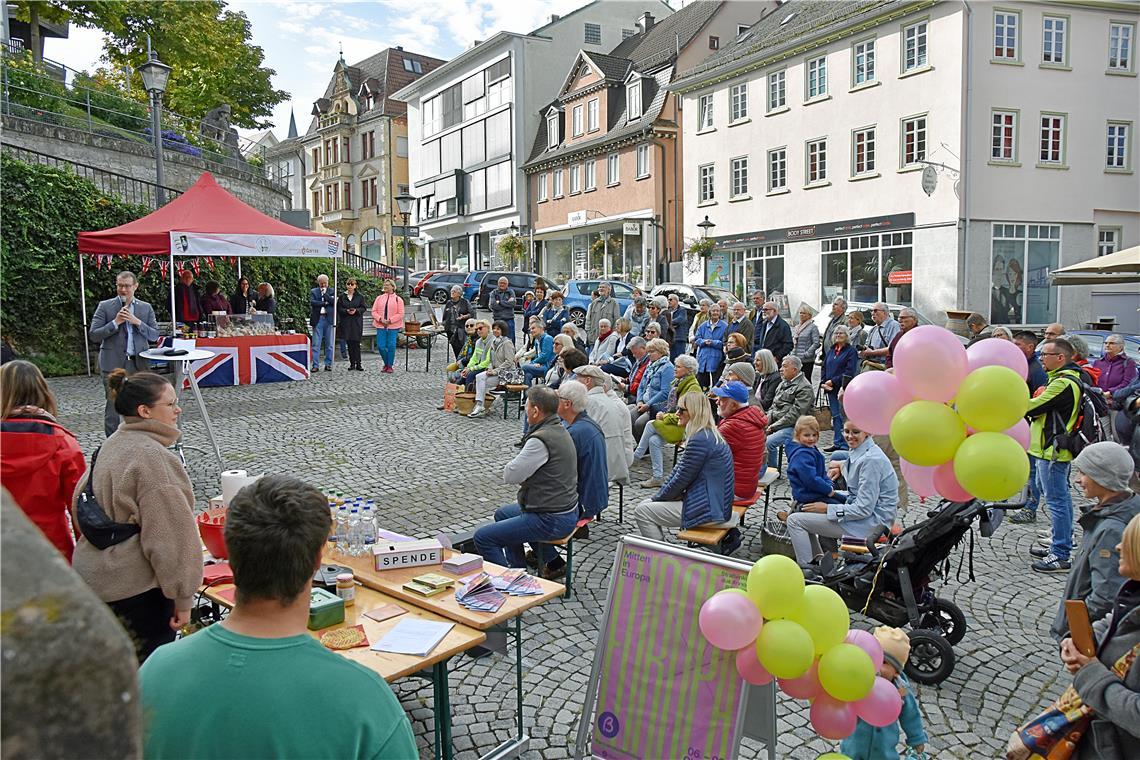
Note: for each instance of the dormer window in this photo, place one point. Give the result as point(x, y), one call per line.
point(414, 67)
point(633, 99)
point(552, 130)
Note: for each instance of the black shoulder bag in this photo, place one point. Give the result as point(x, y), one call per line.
point(99, 530)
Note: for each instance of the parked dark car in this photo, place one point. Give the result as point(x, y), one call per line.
point(417, 279)
point(471, 284)
point(520, 282)
point(437, 288)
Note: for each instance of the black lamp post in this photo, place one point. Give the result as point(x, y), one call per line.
point(405, 202)
point(155, 75)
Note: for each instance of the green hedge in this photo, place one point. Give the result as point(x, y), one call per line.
point(45, 209)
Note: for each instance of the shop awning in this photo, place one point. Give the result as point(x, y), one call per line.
point(1120, 267)
point(642, 215)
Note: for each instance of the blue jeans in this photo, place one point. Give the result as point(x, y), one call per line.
point(510, 321)
point(533, 371)
point(501, 541)
point(655, 445)
point(386, 345)
point(1053, 478)
point(836, 420)
point(775, 441)
point(323, 339)
point(342, 346)
point(1033, 497)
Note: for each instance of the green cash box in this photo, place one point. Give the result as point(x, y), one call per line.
point(325, 609)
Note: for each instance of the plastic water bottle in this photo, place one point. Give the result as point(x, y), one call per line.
point(342, 529)
point(355, 545)
point(332, 526)
point(368, 528)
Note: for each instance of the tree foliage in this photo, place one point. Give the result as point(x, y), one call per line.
point(209, 47)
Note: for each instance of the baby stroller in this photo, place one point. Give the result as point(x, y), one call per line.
point(890, 581)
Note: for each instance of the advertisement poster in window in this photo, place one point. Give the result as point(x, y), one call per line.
point(718, 270)
point(1007, 285)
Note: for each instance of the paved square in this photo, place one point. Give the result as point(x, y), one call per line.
point(380, 436)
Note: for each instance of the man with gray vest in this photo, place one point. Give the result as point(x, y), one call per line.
point(546, 472)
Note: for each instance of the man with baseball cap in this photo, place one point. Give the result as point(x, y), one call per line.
point(1103, 470)
point(743, 428)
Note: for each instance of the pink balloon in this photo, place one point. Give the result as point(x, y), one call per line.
point(749, 667)
point(872, 399)
point(931, 363)
point(946, 483)
point(882, 706)
point(866, 641)
point(831, 718)
point(1002, 353)
point(729, 620)
point(806, 686)
point(1019, 432)
point(919, 478)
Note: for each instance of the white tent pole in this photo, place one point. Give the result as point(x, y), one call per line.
point(336, 295)
point(83, 314)
point(173, 321)
point(239, 267)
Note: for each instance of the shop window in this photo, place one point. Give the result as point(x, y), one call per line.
point(1022, 257)
point(869, 268)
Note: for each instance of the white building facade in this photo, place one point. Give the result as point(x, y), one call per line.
point(807, 141)
point(471, 123)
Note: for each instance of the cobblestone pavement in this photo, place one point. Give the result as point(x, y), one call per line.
point(381, 436)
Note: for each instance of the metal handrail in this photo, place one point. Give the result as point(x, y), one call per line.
point(129, 189)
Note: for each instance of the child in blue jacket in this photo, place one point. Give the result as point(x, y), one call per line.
point(870, 743)
point(807, 473)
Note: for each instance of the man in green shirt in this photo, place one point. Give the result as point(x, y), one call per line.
point(257, 685)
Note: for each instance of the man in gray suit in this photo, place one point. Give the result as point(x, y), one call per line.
point(124, 327)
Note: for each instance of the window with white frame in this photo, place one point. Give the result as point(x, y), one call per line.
point(863, 151)
point(817, 77)
point(914, 46)
point(1022, 255)
point(1117, 144)
point(816, 164)
point(642, 161)
point(592, 115)
point(1055, 40)
point(541, 187)
point(633, 99)
point(913, 141)
point(612, 169)
point(1006, 25)
point(1120, 37)
point(591, 175)
point(706, 190)
point(578, 120)
point(1107, 240)
point(705, 112)
point(738, 102)
point(557, 183)
point(863, 62)
point(1003, 141)
point(575, 178)
point(777, 88)
point(739, 177)
point(552, 131)
point(592, 34)
point(1052, 149)
point(777, 169)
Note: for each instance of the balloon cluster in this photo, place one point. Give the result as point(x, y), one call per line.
point(956, 417)
point(801, 638)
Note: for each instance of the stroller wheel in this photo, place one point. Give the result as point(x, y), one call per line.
point(947, 617)
point(931, 657)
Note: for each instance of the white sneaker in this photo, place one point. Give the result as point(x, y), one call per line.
point(478, 411)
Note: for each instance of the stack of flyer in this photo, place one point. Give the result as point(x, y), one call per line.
point(462, 564)
point(517, 583)
point(429, 584)
point(478, 593)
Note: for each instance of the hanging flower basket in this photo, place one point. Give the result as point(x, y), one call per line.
point(702, 247)
point(512, 250)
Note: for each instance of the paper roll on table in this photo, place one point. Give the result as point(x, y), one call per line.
point(233, 481)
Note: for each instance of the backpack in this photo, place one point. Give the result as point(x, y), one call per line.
point(1093, 423)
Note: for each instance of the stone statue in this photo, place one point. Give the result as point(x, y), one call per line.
point(216, 126)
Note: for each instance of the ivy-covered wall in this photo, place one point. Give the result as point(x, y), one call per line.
point(45, 209)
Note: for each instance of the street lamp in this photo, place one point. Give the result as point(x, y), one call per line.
point(405, 202)
point(705, 226)
point(155, 75)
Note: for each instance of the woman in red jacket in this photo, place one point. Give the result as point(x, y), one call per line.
point(40, 460)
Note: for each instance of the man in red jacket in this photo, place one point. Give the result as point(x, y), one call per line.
point(743, 428)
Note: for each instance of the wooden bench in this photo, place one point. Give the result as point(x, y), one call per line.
point(704, 535)
point(568, 542)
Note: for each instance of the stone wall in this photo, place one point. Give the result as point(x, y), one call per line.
point(136, 159)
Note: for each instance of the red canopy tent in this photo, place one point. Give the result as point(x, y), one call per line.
point(206, 220)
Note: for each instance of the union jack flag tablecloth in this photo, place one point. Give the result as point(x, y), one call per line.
point(251, 359)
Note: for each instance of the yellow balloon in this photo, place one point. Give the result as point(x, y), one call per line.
point(992, 399)
point(927, 433)
point(846, 672)
point(776, 585)
point(991, 466)
point(784, 648)
point(823, 614)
